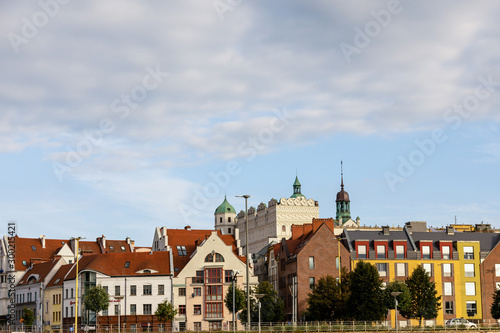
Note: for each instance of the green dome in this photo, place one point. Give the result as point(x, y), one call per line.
point(296, 189)
point(225, 207)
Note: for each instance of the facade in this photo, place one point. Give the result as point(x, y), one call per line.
point(274, 221)
point(53, 295)
point(312, 252)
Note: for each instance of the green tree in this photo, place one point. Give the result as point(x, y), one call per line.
point(325, 302)
point(96, 299)
point(424, 298)
point(165, 312)
point(495, 306)
point(272, 307)
point(28, 317)
point(404, 299)
point(366, 301)
point(239, 296)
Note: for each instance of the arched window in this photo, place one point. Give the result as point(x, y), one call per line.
point(220, 219)
point(283, 228)
point(219, 257)
point(209, 257)
point(229, 219)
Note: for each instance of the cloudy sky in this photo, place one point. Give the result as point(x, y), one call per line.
point(120, 116)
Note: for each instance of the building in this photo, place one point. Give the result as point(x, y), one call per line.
point(274, 221)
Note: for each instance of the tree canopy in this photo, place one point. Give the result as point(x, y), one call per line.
point(366, 301)
point(272, 307)
point(28, 317)
point(325, 302)
point(239, 296)
point(165, 312)
point(404, 299)
point(424, 299)
point(96, 299)
point(495, 305)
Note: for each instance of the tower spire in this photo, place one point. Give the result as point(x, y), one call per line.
point(341, 175)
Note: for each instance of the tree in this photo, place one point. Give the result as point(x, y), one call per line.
point(96, 299)
point(404, 299)
point(272, 307)
point(366, 301)
point(495, 306)
point(28, 317)
point(424, 299)
point(325, 301)
point(239, 296)
point(165, 312)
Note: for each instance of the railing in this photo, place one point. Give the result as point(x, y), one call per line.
point(225, 326)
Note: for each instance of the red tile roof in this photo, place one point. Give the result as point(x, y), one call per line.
point(31, 251)
point(113, 264)
point(58, 278)
point(37, 272)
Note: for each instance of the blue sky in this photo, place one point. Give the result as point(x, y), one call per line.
point(123, 116)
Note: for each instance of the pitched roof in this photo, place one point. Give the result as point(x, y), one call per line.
point(30, 250)
point(125, 264)
point(58, 278)
point(37, 273)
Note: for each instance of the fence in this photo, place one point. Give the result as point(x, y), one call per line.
point(217, 326)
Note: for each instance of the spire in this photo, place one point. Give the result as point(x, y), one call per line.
point(296, 188)
point(341, 176)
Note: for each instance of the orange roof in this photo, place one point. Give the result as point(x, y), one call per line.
point(30, 250)
point(57, 279)
point(37, 272)
point(115, 264)
point(190, 239)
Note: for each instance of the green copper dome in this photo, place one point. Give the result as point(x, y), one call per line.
point(296, 189)
point(225, 207)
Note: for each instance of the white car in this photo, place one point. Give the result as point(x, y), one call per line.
point(460, 322)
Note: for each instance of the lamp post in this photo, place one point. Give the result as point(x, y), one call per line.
point(119, 298)
point(77, 241)
point(396, 294)
point(246, 196)
point(259, 296)
point(235, 273)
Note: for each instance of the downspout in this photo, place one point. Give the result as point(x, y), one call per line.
point(125, 312)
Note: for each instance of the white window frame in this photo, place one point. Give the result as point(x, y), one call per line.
point(447, 289)
point(446, 272)
point(381, 253)
point(426, 252)
point(497, 269)
point(400, 269)
point(446, 251)
point(400, 251)
point(469, 270)
point(362, 246)
point(428, 268)
point(468, 252)
point(470, 288)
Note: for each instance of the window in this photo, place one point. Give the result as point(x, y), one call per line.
point(213, 293)
point(400, 251)
point(133, 290)
point(220, 219)
point(445, 252)
point(146, 289)
point(311, 262)
point(427, 268)
point(117, 309)
point(213, 310)
point(67, 290)
point(161, 289)
point(228, 276)
point(133, 309)
point(400, 269)
point(497, 269)
point(197, 326)
point(182, 291)
point(362, 251)
point(497, 284)
point(197, 309)
point(71, 292)
point(127, 264)
point(33, 247)
point(470, 288)
point(471, 308)
point(71, 311)
point(381, 252)
point(105, 312)
point(122, 247)
point(117, 290)
point(311, 283)
point(106, 289)
point(229, 230)
point(209, 257)
point(66, 311)
point(446, 270)
point(426, 252)
point(199, 277)
point(229, 219)
point(146, 309)
point(214, 275)
point(469, 270)
point(448, 307)
point(283, 228)
point(219, 257)
point(182, 309)
point(215, 326)
point(468, 252)
point(447, 289)
point(181, 250)
point(382, 269)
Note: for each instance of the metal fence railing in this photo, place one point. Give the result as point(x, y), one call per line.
point(225, 326)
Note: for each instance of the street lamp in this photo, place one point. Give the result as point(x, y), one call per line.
point(259, 296)
point(246, 196)
point(235, 273)
point(119, 298)
point(396, 294)
point(77, 240)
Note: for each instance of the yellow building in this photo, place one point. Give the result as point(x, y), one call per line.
point(52, 299)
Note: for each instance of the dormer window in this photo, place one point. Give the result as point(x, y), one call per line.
point(111, 247)
point(181, 250)
point(25, 263)
point(123, 248)
point(33, 247)
point(147, 271)
point(127, 264)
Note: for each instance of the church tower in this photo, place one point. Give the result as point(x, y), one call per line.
point(225, 217)
point(296, 189)
point(343, 203)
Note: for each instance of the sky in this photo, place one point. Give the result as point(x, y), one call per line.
point(118, 117)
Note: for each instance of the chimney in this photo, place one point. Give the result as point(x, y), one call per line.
point(385, 230)
point(127, 240)
point(103, 241)
point(450, 230)
point(42, 240)
point(188, 228)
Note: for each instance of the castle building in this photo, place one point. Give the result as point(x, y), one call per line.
point(274, 221)
point(225, 218)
